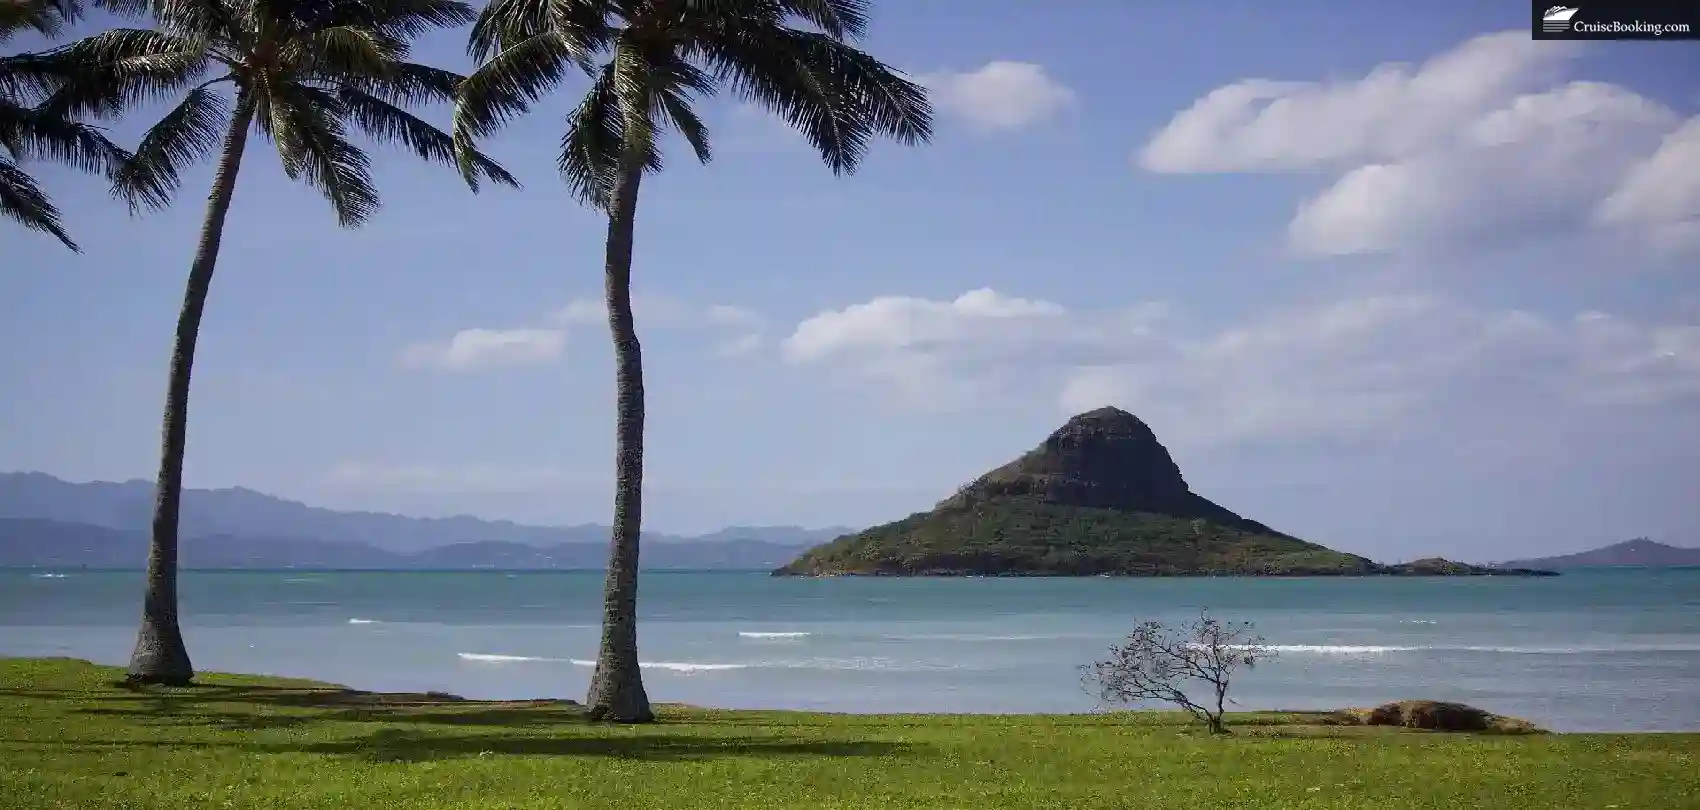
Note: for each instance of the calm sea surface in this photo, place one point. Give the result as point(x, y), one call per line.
point(1601, 650)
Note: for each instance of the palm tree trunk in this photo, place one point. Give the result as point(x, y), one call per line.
point(160, 655)
point(616, 685)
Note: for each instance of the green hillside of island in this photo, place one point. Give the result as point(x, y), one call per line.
point(1100, 496)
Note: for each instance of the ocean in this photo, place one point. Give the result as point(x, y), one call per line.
point(1603, 650)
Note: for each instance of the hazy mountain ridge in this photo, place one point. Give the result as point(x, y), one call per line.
point(37, 543)
point(260, 518)
point(1638, 552)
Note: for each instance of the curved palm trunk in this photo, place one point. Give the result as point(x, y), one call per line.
point(616, 687)
point(160, 655)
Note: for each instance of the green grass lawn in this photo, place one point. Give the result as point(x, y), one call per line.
point(70, 738)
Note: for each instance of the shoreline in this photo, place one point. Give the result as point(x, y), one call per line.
point(78, 738)
point(448, 699)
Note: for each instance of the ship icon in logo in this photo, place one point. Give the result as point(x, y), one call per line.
point(1556, 20)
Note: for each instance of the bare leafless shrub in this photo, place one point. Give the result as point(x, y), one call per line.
point(1172, 664)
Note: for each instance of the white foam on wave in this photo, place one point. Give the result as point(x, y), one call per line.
point(363, 621)
point(49, 576)
point(975, 637)
point(1418, 621)
point(673, 666)
point(1373, 649)
point(1341, 649)
point(302, 580)
point(1584, 650)
point(773, 634)
point(493, 658)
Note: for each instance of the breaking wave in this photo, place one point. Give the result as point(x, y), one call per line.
point(493, 658)
point(672, 666)
point(775, 634)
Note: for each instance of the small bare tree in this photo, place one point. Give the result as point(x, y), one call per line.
point(1161, 663)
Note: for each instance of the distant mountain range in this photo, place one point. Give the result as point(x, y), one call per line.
point(45, 521)
point(246, 513)
point(33, 543)
point(1640, 551)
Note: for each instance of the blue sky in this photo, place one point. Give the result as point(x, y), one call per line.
point(1403, 289)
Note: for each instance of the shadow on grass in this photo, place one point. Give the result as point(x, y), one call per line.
point(400, 745)
point(412, 727)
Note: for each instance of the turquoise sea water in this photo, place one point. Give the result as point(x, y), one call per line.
point(1599, 650)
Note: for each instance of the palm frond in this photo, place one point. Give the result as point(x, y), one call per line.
point(46, 17)
point(503, 89)
point(24, 202)
point(109, 72)
point(591, 147)
point(213, 20)
point(839, 19)
point(386, 123)
point(400, 20)
point(189, 132)
point(407, 83)
point(677, 107)
point(838, 96)
point(506, 86)
point(26, 78)
point(581, 25)
point(339, 51)
point(37, 134)
point(306, 125)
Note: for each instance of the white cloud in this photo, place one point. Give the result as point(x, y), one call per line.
point(734, 331)
point(738, 330)
point(1662, 192)
point(917, 345)
point(1000, 95)
point(472, 349)
point(1478, 145)
point(1392, 112)
point(1350, 369)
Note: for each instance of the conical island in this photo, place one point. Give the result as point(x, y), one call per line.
point(1100, 496)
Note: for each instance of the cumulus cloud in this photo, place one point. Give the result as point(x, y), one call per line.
point(1662, 193)
point(1481, 144)
point(471, 349)
point(917, 345)
point(1000, 95)
point(1350, 369)
point(734, 331)
point(737, 330)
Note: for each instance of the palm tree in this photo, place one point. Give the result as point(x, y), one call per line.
point(32, 129)
point(648, 60)
point(303, 74)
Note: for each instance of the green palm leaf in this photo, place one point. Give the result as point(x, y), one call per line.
point(190, 132)
point(24, 202)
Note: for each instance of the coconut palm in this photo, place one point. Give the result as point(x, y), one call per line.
point(32, 129)
point(648, 61)
point(301, 72)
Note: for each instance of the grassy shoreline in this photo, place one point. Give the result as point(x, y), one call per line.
point(74, 739)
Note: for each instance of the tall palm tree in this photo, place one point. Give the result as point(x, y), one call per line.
point(303, 72)
point(648, 60)
point(32, 129)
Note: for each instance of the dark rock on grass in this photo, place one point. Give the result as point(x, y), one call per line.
point(1432, 715)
